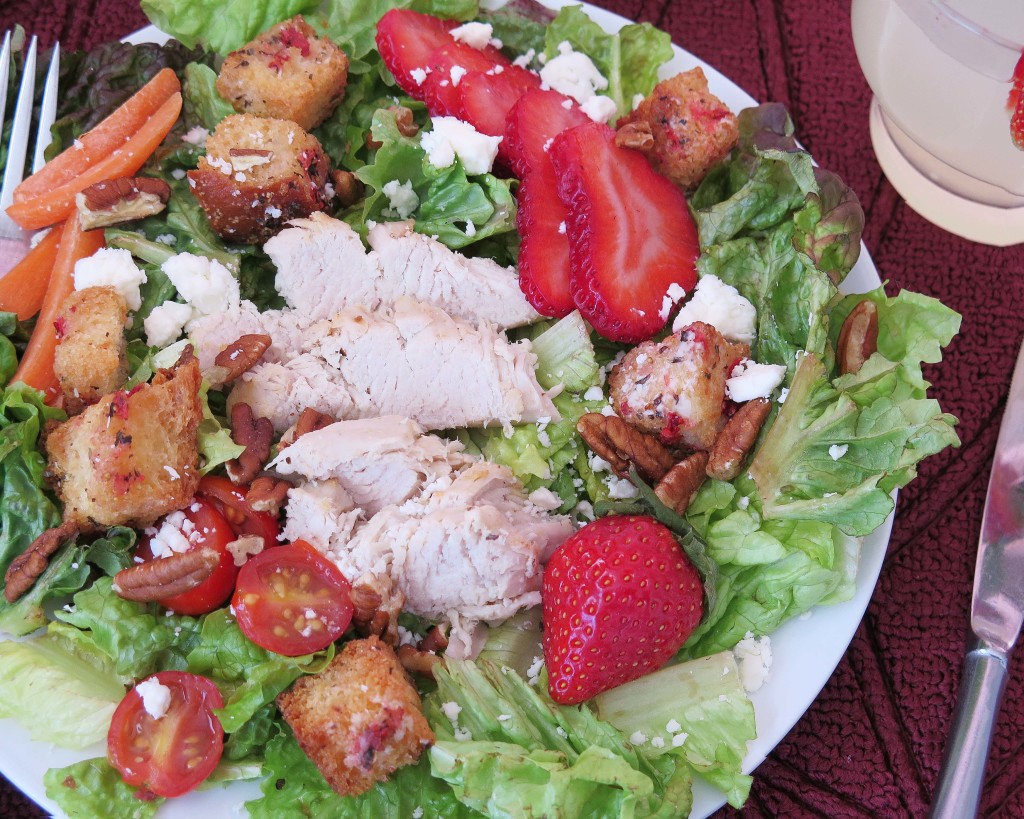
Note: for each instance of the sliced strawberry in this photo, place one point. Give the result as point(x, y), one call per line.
point(533, 122)
point(488, 96)
point(630, 231)
point(544, 249)
point(440, 90)
point(619, 597)
point(406, 39)
point(1015, 103)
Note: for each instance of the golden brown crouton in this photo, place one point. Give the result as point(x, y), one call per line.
point(288, 73)
point(692, 129)
point(257, 174)
point(359, 719)
point(90, 357)
point(132, 456)
point(675, 388)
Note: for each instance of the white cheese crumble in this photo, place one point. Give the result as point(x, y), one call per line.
point(679, 739)
point(111, 267)
point(457, 73)
point(401, 197)
point(657, 742)
point(783, 394)
point(750, 380)
point(419, 75)
point(207, 287)
point(452, 138)
point(196, 135)
point(719, 304)
point(575, 75)
point(451, 710)
point(599, 108)
point(594, 393)
point(673, 726)
point(638, 737)
point(524, 60)
point(156, 697)
point(175, 535)
point(477, 35)
point(753, 660)
point(533, 672)
point(672, 297)
point(837, 451)
point(165, 323)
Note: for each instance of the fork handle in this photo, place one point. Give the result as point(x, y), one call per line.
point(963, 768)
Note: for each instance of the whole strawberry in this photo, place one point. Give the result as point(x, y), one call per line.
point(620, 598)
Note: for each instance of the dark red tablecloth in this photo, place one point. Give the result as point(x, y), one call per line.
point(872, 743)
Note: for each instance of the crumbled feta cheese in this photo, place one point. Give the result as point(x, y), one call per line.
point(406, 637)
point(401, 197)
point(754, 661)
point(452, 138)
point(417, 813)
point(637, 99)
point(167, 239)
point(585, 509)
point(470, 229)
point(561, 227)
point(679, 739)
point(165, 323)
point(171, 538)
point(204, 283)
point(156, 697)
point(561, 732)
point(672, 297)
point(743, 502)
point(524, 60)
point(599, 108)
point(573, 74)
point(462, 734)
point(457, 73)
point(594, 393)
point(657, 742)
point(196, 135)
point(638, 737)
point(620, 488)
point(451, 710)
point(750, 380)
point(783, 394)
point(419, 75)
point(504, 717)
point(533, 672)
point(170, 470)
point(477, 35)
point(837, 451)
point(111, 267)
point(673, 726)
point(719, 304)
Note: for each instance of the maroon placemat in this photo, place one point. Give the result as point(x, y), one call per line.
point(872, 743)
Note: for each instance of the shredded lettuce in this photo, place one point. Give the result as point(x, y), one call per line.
point(93, 789)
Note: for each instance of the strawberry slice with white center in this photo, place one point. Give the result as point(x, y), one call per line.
point(533, 122)
point(1015, 104)
point(619, 598)
point(544, 249)
point(448, 67)
point(405, 40)
point(488, 96)
point(631, 235)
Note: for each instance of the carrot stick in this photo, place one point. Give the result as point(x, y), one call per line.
point(36, 365)
point(102, 140)
point(23, 288)
point(51, 206)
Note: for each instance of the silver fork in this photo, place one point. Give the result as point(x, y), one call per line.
point(15, 242)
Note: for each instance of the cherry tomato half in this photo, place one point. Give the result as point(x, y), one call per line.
point(292, 600)
point(230, 501)
point(173, 753)
point(208, 528)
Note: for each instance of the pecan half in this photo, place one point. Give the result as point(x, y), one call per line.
point(621, 444)
point(737, 439)
point(376, 604)
point(167, 576)
point(417, 661)
point(245, 547)
point(256, 435)
point(267, 494)
point(682, 481)
point(239, 357)
point(635, 135)
point(26, 567)
point(434, 640)
point(348, 189)
point(858, 338)
point(121, 200)
point(245, 159)
point(404, 121)
point(310, 420)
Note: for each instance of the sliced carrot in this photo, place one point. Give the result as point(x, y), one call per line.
point(102, 140)
point(36, 365)
point(23, 287)
point(54, 205)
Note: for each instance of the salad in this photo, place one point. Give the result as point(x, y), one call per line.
point(842, 420)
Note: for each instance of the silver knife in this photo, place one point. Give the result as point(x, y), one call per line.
point(997, 611)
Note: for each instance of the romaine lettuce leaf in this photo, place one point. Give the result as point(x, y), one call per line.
point(202, 104)
point(86, 696)
point(629, 59)
point(93, 789)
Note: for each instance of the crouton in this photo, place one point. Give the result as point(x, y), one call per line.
point(692, 129)
point(132, 456)
point(675, 388)
point(288, 72)
point(359, 719)
point(90, 357)
point(257, 174)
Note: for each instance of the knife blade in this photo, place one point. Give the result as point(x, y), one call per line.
point(997, 612)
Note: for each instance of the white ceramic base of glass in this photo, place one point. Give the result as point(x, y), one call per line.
point(987, 224)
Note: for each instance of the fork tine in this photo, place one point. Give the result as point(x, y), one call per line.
point(47, 110)
point(5, 67)
point(22, 124)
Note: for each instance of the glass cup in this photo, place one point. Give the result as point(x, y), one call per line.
point(941, 72)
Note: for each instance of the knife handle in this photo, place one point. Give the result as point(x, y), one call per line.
point(963, 768)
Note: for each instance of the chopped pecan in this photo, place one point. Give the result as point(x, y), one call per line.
point(682, 481)
point(348, 189)
point(621, 444)
point(404, 121)
point(166, 576)
point(121, 200)
point(376, 604)
point(858, 338)
point(435, 640)
point(310, 420)
point(736, 439)
point(256, 435)
point(245, 547)
point(245, 159)
point(26, 567)
point(417, 661)
point(239, 356)
point(635, 135)
point(267, 494)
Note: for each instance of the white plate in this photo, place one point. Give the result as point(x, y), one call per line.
point(805, 650)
